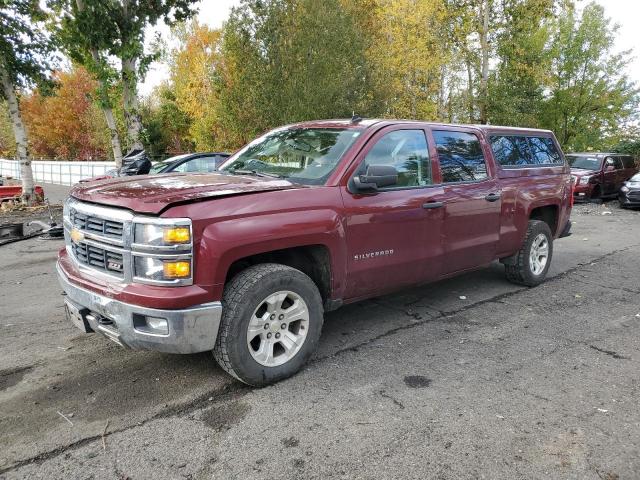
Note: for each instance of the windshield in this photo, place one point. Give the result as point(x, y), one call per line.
point(303, 155)
point(586, 162)
point(159, 167)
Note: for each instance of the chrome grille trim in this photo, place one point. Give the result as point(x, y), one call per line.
point(103, 240)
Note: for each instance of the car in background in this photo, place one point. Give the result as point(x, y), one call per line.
point(190, 162)
point(599, 175)
point(629, 195)
point(206, 162)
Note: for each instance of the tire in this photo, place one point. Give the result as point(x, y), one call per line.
point(239, 350)
point(519, 268)
point(596, 195)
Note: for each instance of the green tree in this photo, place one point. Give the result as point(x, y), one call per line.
point(25, 52)
point(290, 60)
point(523, 66)
point(94, 31)
point(590, 93)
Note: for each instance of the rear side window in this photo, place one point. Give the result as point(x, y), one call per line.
point(513, 151)
point(628, 162)
point(461, 157)
point(544, 151)
point(407, 151)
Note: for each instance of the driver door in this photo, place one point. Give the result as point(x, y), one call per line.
point(393, 234)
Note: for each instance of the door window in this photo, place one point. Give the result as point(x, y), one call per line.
point(407, 152)
point(615, 162)
point(460, 155)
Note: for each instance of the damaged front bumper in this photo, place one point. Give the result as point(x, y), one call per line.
point(189, 330)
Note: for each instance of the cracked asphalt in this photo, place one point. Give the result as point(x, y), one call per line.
point(507, 383)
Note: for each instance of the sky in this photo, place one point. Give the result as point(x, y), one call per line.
point(626, 13)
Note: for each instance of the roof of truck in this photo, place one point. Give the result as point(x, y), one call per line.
point(368, 122)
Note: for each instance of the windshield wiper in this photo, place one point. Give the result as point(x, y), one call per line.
point(256, 173)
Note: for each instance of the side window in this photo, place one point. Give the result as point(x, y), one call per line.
point(461, 157)
point(407, 151)
point(614, 161)
point(199, 164)
point(511, 151)
point(627, 162)
point(544, 151)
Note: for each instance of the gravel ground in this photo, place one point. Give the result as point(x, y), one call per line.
point(506, 383)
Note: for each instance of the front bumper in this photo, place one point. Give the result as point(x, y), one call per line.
point(583, 193)
point(190, 330)
point(628, 201)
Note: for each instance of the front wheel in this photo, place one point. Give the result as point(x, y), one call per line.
point(271, 323)
point(530, 265)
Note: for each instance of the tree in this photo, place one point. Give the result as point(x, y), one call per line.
point(290, 60)
point(25, 52)
point(410, 56)
point(196, 64)
point(523, 63)
point(590, 93)
point(66, 124)
point(95, 30)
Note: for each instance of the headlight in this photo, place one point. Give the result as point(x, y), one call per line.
point(584, 180)
point(624, 189)
point(159, 269)
point(162, 235)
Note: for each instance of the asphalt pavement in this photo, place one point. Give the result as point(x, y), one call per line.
point(472, 377)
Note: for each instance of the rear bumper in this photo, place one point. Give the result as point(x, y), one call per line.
point(189, 330)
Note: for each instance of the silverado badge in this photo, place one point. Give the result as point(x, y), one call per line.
point(76, 235)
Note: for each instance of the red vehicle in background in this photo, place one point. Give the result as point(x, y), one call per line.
point(13, 192)
point(245, 261)
point(600, 175)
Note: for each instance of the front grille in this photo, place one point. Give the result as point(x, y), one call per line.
point(635, 194)
point(105, 260)
point(97, 225)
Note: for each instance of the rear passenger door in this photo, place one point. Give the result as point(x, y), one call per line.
point(471, 200)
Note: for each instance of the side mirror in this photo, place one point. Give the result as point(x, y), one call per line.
point(377, 176)
point(609, 168)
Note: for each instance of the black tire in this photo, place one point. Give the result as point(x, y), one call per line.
point(517, 268)
point(596, 195)
point(240, 299)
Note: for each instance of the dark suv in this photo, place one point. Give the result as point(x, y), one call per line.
point(600, 175)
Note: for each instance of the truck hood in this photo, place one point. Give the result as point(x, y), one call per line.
point(155, 193)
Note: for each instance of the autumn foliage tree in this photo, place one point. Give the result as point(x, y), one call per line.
point(68, 124)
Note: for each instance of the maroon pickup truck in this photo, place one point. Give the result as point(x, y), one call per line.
point(308, 217)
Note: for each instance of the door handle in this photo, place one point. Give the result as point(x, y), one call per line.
point(493, 197)
point(430, 205)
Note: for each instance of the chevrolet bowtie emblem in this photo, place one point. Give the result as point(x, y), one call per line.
point(76, 235)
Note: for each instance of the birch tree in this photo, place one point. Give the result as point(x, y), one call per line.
point(24, 61)
point(109, 38)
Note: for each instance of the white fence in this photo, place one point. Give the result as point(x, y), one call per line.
point(59, 172)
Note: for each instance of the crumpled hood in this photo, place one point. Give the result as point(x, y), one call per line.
point(154, 193)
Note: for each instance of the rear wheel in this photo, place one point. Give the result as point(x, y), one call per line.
point(271, 323)
point(530, 265)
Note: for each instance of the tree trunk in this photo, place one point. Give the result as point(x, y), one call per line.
point(106, 108)
point(131, 106)
point(484, 46)
point(20, 134)
point(470, 99)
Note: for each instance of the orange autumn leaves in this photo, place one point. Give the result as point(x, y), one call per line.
point(66, 124)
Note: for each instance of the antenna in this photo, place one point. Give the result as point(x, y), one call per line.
point(355, 118)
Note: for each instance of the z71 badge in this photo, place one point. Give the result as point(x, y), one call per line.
point(366, 256)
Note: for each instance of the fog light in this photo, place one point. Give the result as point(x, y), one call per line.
point(154, 325)
point(179, 269)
